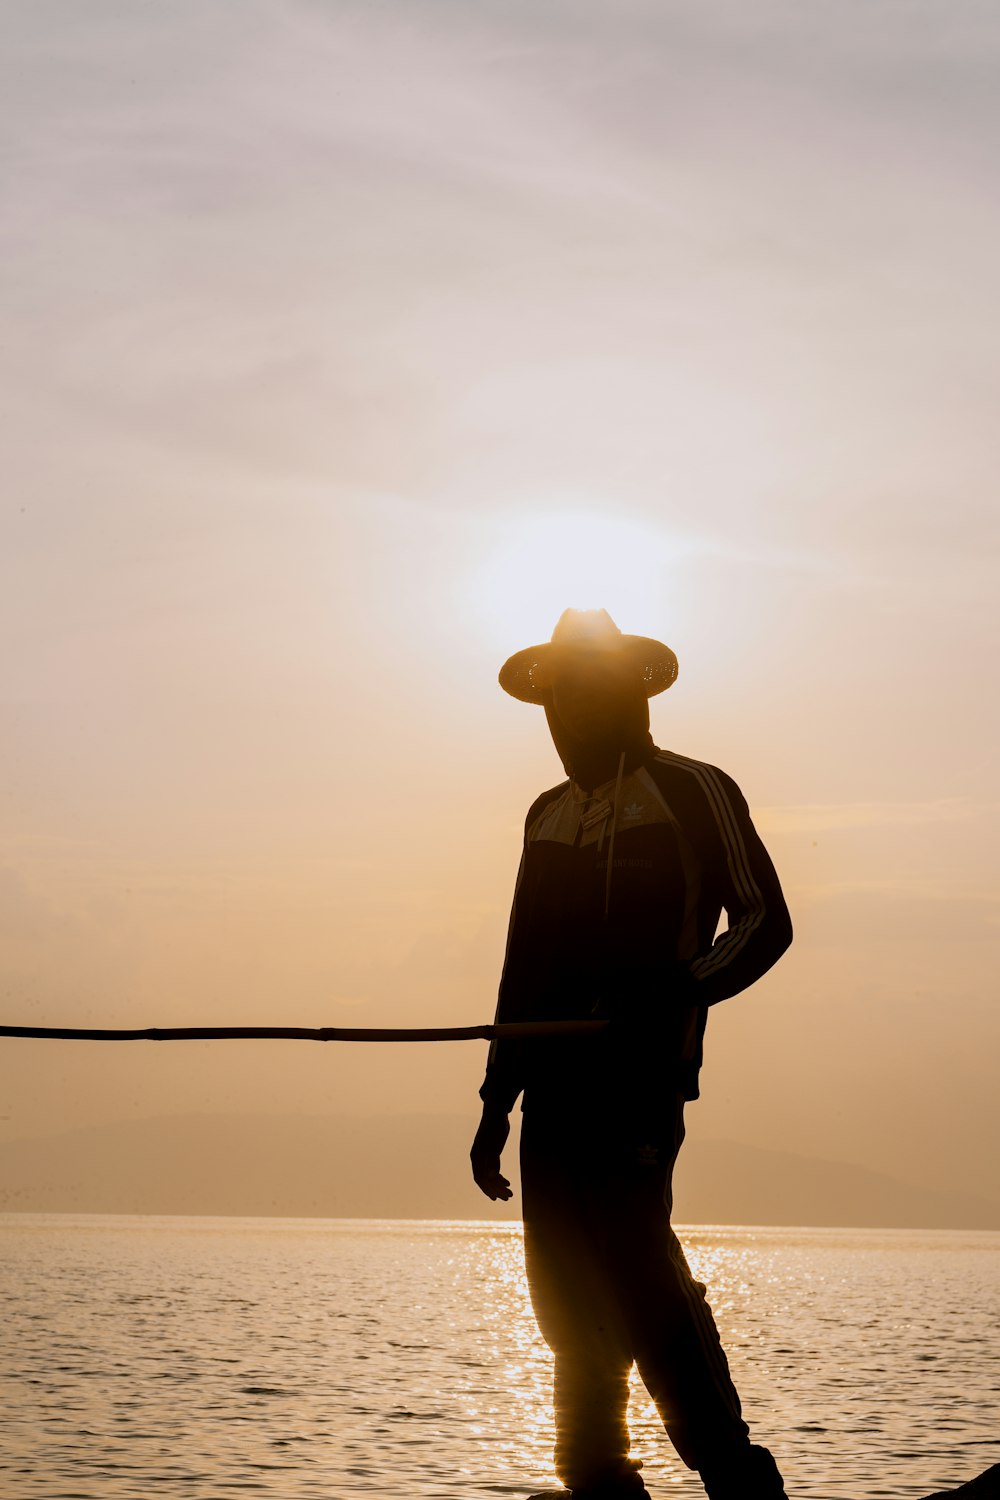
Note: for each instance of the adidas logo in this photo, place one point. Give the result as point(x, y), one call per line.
point(633, 810)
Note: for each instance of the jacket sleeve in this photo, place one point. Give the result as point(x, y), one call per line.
point(760, 928)
point(504, 1072)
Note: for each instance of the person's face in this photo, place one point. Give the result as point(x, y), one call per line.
point(592, 693)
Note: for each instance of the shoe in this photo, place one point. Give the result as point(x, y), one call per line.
point(748, 1474)
point(630, 1490)
point(985, 1486)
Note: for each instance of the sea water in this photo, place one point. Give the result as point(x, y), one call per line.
point(200, 1358)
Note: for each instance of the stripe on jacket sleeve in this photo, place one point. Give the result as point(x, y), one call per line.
point(491, 1056)
point(736, 937)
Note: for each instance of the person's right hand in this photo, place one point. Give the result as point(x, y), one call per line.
point(491, 1137)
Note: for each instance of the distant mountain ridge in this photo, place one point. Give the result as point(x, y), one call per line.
point(416, 1166)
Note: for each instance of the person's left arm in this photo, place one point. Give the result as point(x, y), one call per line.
point(760, 928)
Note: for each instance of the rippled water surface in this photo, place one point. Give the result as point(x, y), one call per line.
point(200, 1358)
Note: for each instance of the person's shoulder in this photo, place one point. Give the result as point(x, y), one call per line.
point(544, 801)
point(683, 772)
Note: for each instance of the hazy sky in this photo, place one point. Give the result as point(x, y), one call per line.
point(343, 346)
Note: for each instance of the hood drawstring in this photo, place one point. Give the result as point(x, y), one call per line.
point(614, 824)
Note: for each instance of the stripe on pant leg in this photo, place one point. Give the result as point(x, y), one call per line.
point(706, 1331)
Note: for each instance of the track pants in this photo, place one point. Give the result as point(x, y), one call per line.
point(611, 1287)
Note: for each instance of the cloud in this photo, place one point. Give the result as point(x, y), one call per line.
point(826, 817)
point(925, 916)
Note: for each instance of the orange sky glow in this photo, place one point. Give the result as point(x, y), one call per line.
point(346, 346)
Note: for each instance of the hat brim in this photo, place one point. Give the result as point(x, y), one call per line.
point(525, 675)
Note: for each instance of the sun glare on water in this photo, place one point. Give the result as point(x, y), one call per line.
point(541, 564)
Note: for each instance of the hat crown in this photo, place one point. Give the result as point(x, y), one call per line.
point(586, 629)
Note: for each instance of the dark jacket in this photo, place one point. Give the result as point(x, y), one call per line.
point(616, 910)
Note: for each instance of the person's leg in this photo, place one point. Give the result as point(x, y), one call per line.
point(577, 1313)
point(673, 1335)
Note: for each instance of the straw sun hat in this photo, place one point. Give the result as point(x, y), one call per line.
point(527, 674)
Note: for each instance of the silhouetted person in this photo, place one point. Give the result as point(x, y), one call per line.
point(627, 868)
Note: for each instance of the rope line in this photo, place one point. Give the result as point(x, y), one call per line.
point(521, 1029)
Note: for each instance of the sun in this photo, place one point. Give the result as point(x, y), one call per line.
point(535, 566)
